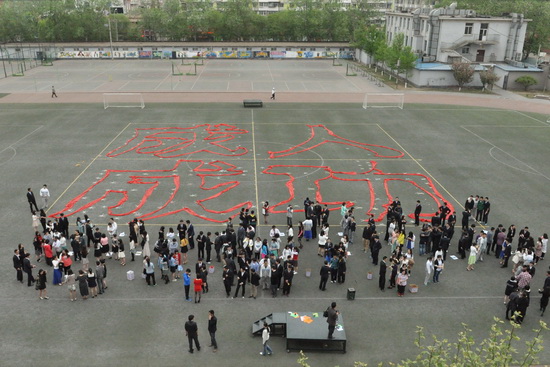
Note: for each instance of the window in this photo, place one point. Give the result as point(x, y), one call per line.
point(288, 49)
point(483, 31)
point(100, 48)
point(469, 27)
point(302, 49)
point(249, 49)
point(234, 49)
point(273, 48)
point(312, 49)
point(263, 49)
point(465, 50)
point(406, 40)
point(195, 49)
point(224, 48)
point(154, 49)
point(125, 49)
point(184, 48)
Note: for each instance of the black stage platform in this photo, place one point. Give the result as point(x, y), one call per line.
point(307, 331)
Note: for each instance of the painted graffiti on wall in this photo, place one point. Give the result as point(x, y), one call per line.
point(209, 54)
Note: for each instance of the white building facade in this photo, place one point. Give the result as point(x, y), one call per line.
point(449, 35)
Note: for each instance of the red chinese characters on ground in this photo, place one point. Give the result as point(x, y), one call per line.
point(162, 187)
point(149, 194)
point(173, 142)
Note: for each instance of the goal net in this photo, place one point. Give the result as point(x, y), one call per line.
point(123, 100)
point(383, 100)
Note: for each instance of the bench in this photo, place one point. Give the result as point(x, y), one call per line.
point(253, 103)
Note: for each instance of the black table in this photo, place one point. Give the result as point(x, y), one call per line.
point(313, 336)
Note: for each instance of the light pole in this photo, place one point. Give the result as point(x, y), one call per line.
point(107, 14)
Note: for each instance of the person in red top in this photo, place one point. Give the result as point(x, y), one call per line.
point(67, 261)
point(48, 254)
point(198, 289)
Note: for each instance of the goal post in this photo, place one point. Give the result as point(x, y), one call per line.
point(383, 100)
point(123, 100)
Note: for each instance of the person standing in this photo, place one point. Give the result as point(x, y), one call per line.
point(332, 318)
point(382, 274)
point(31, 199)
point(192, 332)
point(212, 328)
point(70, 280)
point(288, 275)
point(273, 93)
point(289, 214)
point(190, 234)
point(45, 195)
point(254, 283)
point(27, 268)
point(324, 273)
point(376, 247)
point(187, 283)
point(18, 265)
point(429, 270)
point(149, 271)
point(265, 338)
point(439, 265)
point(197, 286)
point(402, 282)
point(472, 258)
point(227, 276)
point(53, 92)
point(242, 278)
point(41, 284)
point(417, 211)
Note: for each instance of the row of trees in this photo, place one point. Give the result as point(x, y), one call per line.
point(397, 56)
point(180, 20)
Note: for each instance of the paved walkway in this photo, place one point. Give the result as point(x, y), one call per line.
point(505, 99)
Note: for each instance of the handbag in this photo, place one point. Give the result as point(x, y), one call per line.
point(325, 313)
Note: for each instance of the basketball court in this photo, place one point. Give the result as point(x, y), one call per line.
point(177, 160)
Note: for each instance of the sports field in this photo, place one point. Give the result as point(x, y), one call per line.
point(204, 161)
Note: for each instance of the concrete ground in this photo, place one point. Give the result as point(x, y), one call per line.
point(461, 150)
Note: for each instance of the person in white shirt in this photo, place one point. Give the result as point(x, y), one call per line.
point(429, 270)
point(112, 228)
point(45, 195)
point(289, 212)
point(290, 232)
point(321, 243)
point(482, 245)
point(274, 230)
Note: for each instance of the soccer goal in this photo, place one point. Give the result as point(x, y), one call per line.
point(123, 100)
point(383, 100)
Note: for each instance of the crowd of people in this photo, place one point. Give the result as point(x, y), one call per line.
point(271, 263)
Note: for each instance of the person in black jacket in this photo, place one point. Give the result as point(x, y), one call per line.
point(192, 332)
point(376, 247)
point(382, 274)
point(417, 211)
point(287, 279)
point(254, 282)
point(18, 264)
point(212, 328)
point(242, 278)
point(27, 268)
point(31, 199)
point(227, 277)
point(325, 272)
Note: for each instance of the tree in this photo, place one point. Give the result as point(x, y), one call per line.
point(399, 56)
point(526, 81)
point(498, 349)
point(488, 78)
point(370, 39)
point(463, 73)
